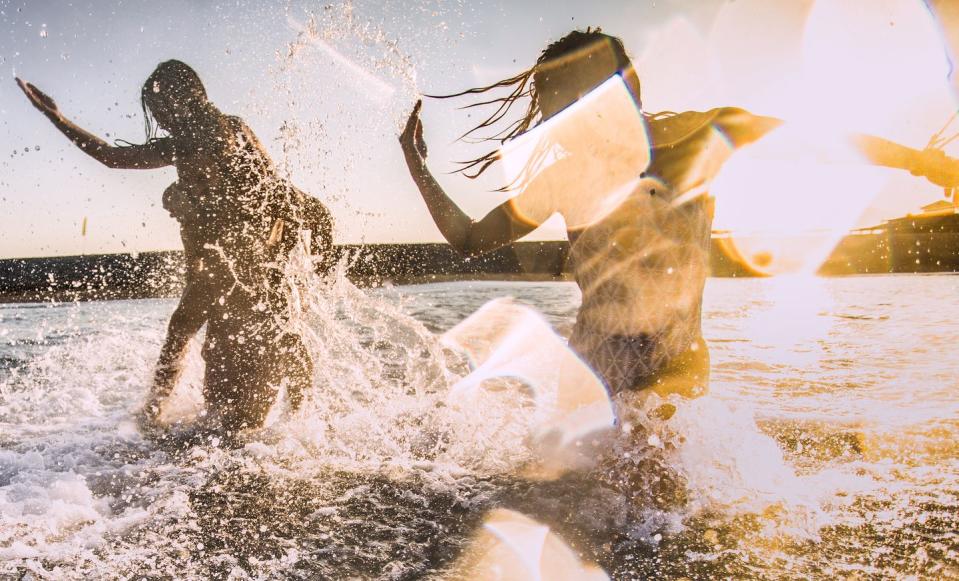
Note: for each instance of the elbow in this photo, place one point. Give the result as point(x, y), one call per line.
point(462, 246)
point(469, 247)
point(480, 238)
point(467, 251)
point(115, 157)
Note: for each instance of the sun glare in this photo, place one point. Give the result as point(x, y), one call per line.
point(788, 200)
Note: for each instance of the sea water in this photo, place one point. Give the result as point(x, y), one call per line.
point(826, 446)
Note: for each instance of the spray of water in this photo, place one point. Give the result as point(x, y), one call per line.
point(397, 452)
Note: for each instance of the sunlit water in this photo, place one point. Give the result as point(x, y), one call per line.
point(825, 448)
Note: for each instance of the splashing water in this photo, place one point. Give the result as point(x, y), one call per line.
point(78, 490)
point(377, 475)
point(344, 85)
point(380, 475)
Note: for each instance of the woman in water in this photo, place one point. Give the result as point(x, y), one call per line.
point(642, 266)
point(239, 223)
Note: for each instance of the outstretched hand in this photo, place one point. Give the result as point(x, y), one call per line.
point(43, 102)
point(412, 137)
point(938, 168)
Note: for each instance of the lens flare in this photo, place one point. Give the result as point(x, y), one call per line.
point(785, 207)
point(582, 162)
point(788, 200)
point(504, 339)
point(511, 546)
point(799, 62)
point(308, 35)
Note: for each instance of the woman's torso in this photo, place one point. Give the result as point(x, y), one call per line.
point(642, 268)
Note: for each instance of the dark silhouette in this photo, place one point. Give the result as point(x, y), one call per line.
point(642, 266)
point(239, 221)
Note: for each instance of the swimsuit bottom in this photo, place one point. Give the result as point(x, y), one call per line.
point(638, 362)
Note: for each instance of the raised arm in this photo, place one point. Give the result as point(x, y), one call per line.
point(150, 155)
point(742, 128)
point(498, 228)
point(932, 164)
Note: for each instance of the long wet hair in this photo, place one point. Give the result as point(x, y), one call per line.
point(523, 86)
point(177, 82)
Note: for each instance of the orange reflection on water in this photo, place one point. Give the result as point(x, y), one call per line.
point(513, 547)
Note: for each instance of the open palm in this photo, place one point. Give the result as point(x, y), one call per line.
point(38, 98)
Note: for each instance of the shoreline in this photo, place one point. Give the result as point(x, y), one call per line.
point(160, 274)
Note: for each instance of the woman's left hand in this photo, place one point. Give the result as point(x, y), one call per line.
point(938, 168)
point(412, 137)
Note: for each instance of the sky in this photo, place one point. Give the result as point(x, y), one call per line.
point(327, 86)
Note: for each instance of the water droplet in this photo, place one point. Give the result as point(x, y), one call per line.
point(43, 31)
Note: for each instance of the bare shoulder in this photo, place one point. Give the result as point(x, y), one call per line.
point(162, 148)
point(739, 125)
point(235, 122)
point(236, 126)
point(667, 128)
point(742, 127)
point(313, 205)
point(241, 131)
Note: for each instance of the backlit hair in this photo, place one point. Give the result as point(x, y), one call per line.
point(523, 86)
point(176, 82)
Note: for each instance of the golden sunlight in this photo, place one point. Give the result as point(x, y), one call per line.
point(787, 200)
point(512, 546)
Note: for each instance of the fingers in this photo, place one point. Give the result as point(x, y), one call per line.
point(414, 118)
point(32, 89)
point(43, 97)
point(418, 126)
point(36, 96)
point(25, 87)
point(38, 92)
point(418, 139)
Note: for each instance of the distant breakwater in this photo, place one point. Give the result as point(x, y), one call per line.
point(160, 274)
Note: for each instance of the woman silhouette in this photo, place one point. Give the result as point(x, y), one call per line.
point(642, 265)
point(239, 223)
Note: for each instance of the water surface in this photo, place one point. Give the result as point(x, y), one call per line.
point(825, 448)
